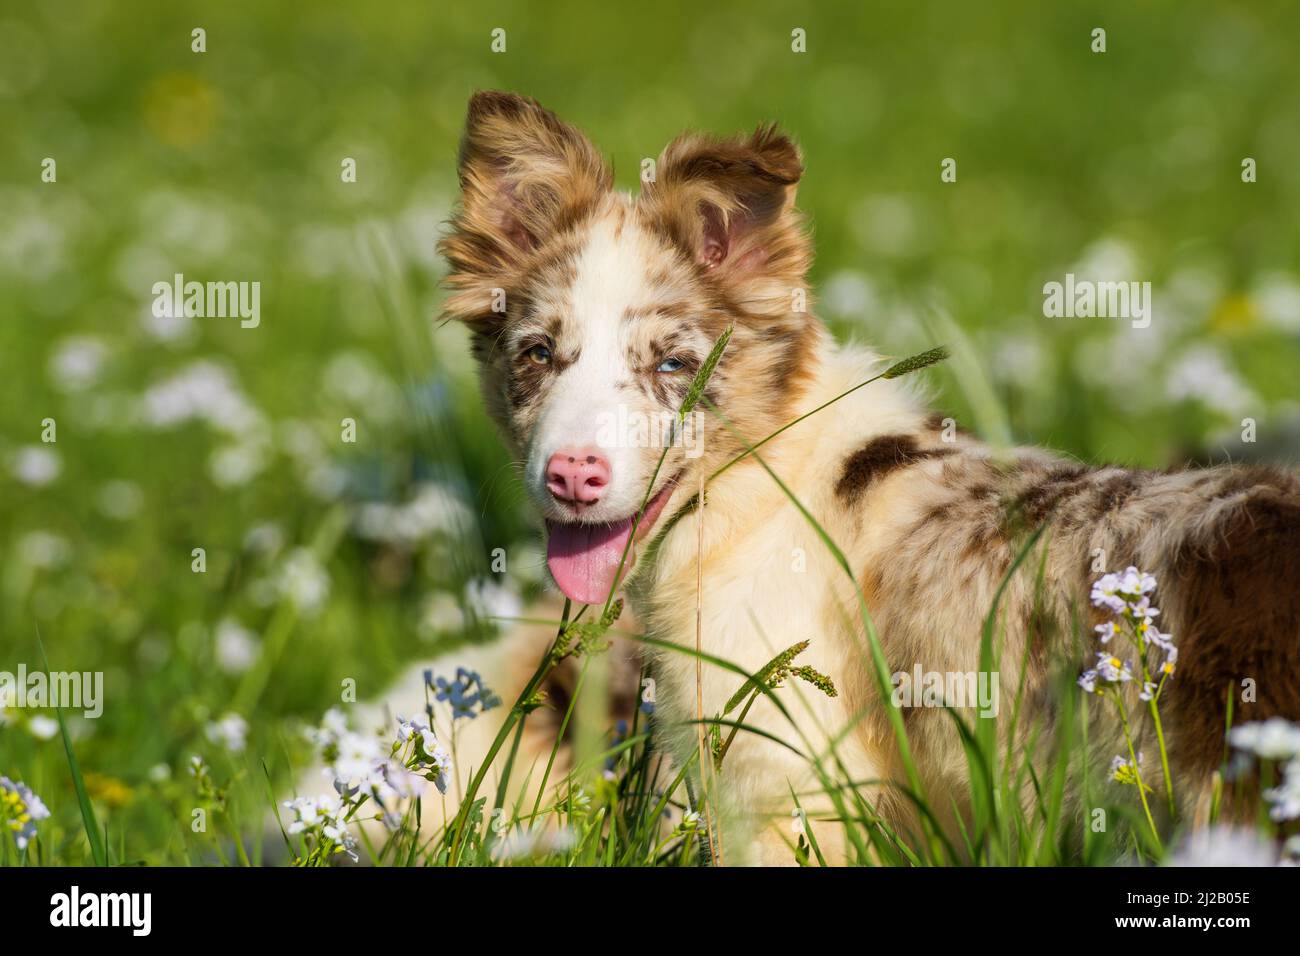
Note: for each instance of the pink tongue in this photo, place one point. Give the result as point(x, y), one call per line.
point(584, 558)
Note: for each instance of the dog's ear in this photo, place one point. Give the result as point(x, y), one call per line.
point(523, 174)
point(728, 204)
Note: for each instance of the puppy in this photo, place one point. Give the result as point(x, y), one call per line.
point(591, 312)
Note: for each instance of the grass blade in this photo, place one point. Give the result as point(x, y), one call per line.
point(97, 848)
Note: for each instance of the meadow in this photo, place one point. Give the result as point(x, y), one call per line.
point(245, 528)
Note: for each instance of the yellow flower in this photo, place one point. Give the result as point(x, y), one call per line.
point(109, 790)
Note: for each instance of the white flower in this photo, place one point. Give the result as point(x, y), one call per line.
point(42, 549)
point(231, 732)
point(1171, 660)
point(354, 757)
point(1286, 798)
point(1153, 635)
point(432, 510)
point(1272, 739)
point(77, 362)
point(1133, 581)
point(1141, 609)
point(325, 818)
point(1123, 593)
point(1291, 851)
point(388, 780)
point(1088, 680)
point(265, 538)
point(430, 756)
point(335, 722)
point(36, 465)
point(1127, 771)
point(236, 646)
point(120, 500)
point(1148, 691)
point(1203, 373)
point(304, 581)
point(1105, 593)
point(416, 728)
point(42, 727)
point(1112, 669)
point(361, 763)
point(202, 391)
point(167, 327)
point(237, 463)
point(1106, 631)
point(519, 843)
point(1224, 846)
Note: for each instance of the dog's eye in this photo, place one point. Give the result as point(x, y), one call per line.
point(671, 365)
point(539, 355)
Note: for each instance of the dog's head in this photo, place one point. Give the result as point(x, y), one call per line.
point(592, 312)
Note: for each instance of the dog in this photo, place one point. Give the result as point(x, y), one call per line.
point(587, 306)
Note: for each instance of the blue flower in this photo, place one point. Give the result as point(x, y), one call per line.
point(466, 693)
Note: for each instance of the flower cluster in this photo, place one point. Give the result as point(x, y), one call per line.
point(1128, 770)
point(1127, 596)
point(323, 820)
point(427, 757)
point(1223, 845)
point(1275, 739)
point(366, 768)
point(466, 693)
point(230, 732)
point(20, 809)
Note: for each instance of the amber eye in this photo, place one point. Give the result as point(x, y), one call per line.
point(539, 355)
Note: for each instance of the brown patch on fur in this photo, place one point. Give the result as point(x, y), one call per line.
point(1240, 617)
point(527, 378)
point(1113, 493)
point(1036, 503)
point(877, 459)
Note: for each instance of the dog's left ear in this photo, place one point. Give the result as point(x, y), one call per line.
point(524, 174)
point(728, 204)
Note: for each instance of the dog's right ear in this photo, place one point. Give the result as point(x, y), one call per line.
point(523, 175)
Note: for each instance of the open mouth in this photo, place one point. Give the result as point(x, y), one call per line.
point(584, 557)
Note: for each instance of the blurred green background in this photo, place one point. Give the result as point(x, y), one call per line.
point(327, 560)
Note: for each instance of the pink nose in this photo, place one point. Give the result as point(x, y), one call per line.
point(577, 476)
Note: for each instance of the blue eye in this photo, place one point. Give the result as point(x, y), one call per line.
point(671, 365)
